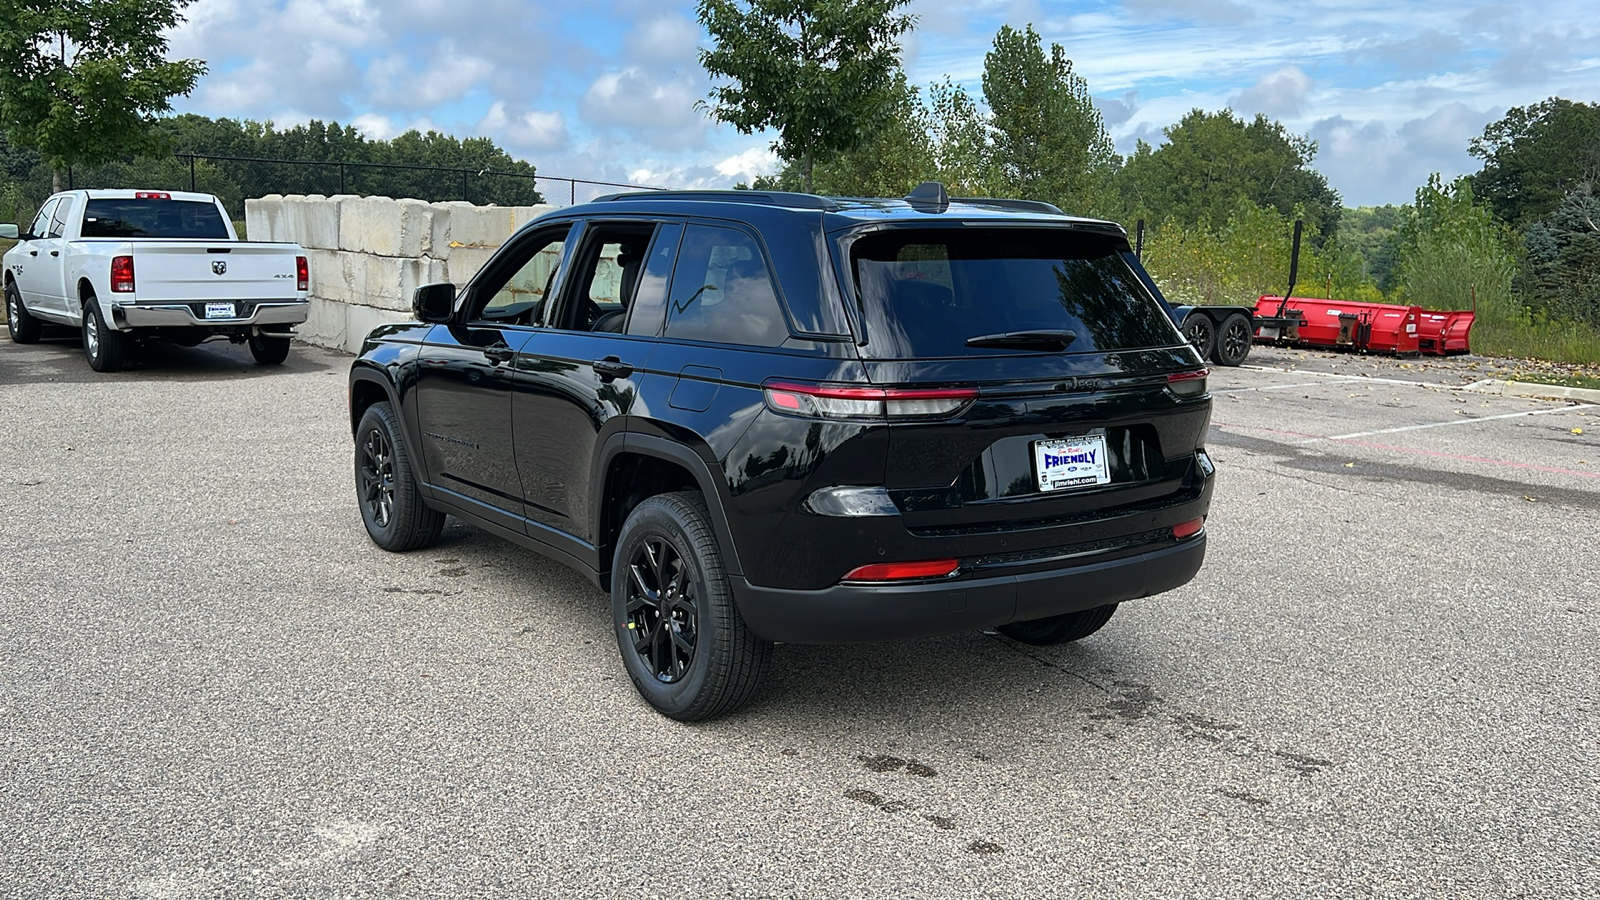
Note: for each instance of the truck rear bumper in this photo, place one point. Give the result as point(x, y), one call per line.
point(183, 315)
point(850, 613)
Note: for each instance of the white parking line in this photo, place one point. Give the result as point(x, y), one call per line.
point(1335, 375)
point(1516, 415)
point(1275, 387)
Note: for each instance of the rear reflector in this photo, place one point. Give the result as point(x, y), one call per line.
point(122, 274)
point(1188, 529)
point(151, 195)
point(830, 401)
point(1188, 384)
point(302, 274)
point(932, 568)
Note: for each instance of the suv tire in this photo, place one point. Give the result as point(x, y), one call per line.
point(106, 348)
point(386, 486)
point(23, 326)
point(683, 642)
point(1060, 629)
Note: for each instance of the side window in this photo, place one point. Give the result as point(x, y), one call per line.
point(605, 278)
point(521, 281)
point(651, 297)
point(58, 222)
point(722, 291)
point(41, 222)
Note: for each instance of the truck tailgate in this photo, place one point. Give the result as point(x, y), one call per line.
point(197, 270)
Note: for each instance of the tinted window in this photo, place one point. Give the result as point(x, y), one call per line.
point(41, 222)
point(722, 292)
point(154, 218)
point(605, 277)
point(652, 293)
point(527, 274)
point(923, 293)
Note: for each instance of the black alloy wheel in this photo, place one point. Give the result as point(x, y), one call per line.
point(662, 613)
point(386, 487)
point(1197, 328)
point(683, 643)
point(1233, 341)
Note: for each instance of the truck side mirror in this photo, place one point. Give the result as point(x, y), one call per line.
point(434, 303)
point(9, 231)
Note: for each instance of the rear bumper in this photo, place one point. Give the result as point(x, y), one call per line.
point(851, 613)
point(182, 315)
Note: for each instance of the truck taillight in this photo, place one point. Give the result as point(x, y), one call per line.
point(122, 274)
point(151, 195)
point(302, 274)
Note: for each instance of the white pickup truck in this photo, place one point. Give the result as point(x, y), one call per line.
point(130, 265)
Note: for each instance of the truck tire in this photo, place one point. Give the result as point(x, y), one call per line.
point(683, 642)
point(1233, 340)
point(269, 351)
point(392, 508)
point(106, 348)
point(23, 326)
point(1201, 333)
point(1060, 629)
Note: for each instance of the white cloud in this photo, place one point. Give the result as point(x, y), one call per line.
point(529, 131)
point(1279, 95)
point(393, 81)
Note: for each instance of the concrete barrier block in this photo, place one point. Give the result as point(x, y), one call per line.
point(326, 325)
point(331, 276)
point(370, 225)
point(442, 217)
point(479, 226)
point(312, 222)
point(416, 228)
point(464, 262)
point(522, 215)
point(260, 214)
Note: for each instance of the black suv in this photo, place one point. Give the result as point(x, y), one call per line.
point(756, 417)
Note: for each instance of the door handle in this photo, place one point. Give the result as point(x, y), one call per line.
point(612, 367)
point(55, 252)
point(33, 253)
point(499, 352)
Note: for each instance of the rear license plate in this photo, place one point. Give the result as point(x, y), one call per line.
point(1071, 463)
point(219, 311)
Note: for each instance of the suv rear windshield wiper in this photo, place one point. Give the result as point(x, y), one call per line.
point(1037, 339)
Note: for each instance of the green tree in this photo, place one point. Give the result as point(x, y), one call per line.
point(1372, 233)
point(1049, 141)
point(82, 81)
point(1213, 160)
point(819, 72)
point(1453, 252)
point(1560, 277)
point(1535, 156)
point(894, 156)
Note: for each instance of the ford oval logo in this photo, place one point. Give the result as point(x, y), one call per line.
point(219, 267)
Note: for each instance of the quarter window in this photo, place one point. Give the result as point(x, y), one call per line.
point(722, 291)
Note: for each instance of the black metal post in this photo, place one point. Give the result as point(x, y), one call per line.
point(191, 173)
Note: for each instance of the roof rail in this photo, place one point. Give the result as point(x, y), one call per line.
point(1023, 205)
point(768, 198)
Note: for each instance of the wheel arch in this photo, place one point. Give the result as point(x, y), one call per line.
point(366, 389)
point(637, 467)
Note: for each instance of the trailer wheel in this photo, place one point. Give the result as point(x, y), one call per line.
point(1200, 332)
point(1233, 341)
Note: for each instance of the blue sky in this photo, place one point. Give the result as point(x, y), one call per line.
point(605, 89)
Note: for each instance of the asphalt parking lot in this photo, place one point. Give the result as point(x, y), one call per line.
point(1382, 683)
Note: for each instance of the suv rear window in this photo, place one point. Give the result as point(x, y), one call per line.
point(925, 292)
point(154, 218)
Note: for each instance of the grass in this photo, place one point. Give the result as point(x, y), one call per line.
point(1569, 344)
point(1577, 381)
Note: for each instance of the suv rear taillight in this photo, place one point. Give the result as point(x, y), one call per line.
point(1188, 384)
point(302, 274)
point(905, 571)
point(828, 401)
point(122, 274)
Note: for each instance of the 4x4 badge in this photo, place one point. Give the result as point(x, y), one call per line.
point(219, 267)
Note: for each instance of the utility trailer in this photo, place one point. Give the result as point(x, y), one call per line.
point(1224, 334)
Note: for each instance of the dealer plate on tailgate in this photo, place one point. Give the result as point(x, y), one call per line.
point(219, 311)
point(1071, 463)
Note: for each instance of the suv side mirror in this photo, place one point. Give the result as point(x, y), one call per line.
point(9, 231)
point(434, 303)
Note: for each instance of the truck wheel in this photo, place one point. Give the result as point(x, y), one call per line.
point(269, 351)
point(105, 347)
point(23, 326)
point(683, 642)
point(1060, 629)
point(1233, 341)
point(386, 486)
point(1198, 329)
